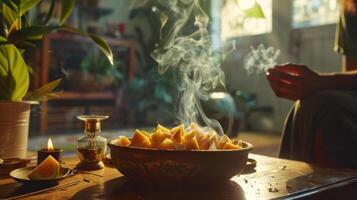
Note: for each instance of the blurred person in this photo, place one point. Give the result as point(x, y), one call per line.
point(322, 124)
point(346, 35)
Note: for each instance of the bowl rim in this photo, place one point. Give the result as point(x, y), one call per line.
point(249, 147)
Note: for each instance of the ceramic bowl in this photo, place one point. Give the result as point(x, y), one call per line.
point(178, 166)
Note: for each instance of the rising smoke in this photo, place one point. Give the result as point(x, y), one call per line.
point(191, 56)
point(260, 59)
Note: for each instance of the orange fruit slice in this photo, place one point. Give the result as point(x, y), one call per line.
point(229, 145)
point(177, 134)
point(205, 144)
point(162, 128)
point(140, 140)
point(157, 137)
point(123, 141)
point(167, 144)
point(192, 144)
point(189, 135)
point(47, 169)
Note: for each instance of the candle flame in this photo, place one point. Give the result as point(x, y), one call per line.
point(50, 145)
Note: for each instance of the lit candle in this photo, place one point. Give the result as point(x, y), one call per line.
point(50, 150)
point(49, 145)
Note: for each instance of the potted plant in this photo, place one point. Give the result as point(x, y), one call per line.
point(95, 74)
point(17, 35)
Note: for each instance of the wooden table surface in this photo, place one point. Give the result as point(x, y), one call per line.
point(272, 178)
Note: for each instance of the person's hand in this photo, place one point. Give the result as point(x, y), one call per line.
point(293, 81)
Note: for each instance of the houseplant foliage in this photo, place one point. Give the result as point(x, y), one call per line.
point(149, 93)
point(95, 74)
point(17, 35)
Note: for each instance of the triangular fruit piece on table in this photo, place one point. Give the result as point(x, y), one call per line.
point(167, 144)
point(140, 140)
point(123, 141)
point(189, 135)
point(221, 141)
point(192, 144)
point(157, 137)
point(177, 134)
point(47, 169)
point(205, 143)
point(162, 128)
point(230, 145)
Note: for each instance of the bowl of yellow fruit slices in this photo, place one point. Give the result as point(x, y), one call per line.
point(179, 155)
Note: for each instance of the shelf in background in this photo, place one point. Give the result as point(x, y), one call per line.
point(90, 101)
point(86, 96)
point(61, 35)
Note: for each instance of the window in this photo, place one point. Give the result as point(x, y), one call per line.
point(235, 21)
point(307, 13)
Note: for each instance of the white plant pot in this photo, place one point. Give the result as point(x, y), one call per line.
point(14, 126)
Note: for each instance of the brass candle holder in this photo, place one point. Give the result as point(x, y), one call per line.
point(91, 148)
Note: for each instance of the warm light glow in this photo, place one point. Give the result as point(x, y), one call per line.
point(234, 22)
point(217, 95)
point(246, 4)
point(50, 145)
point(307, 13)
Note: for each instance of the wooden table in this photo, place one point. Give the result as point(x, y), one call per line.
point(272, 178)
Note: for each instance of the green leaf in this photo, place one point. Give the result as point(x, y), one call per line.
point(30, 69)
point(35, 32)
point(24, 21)
point(3, 42)
point(10, 3)
point(25, 45)
point(255, 11)
point(30, 32)
point(50, 12)
point(14, 75)
point(100, 42)
point(26, 5)
point(103, 46)
point(21, 6)
point(9, 15)
point(45, 92)
point(66, 10)
point(13, 10)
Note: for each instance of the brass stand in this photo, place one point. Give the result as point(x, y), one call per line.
point(90, 166)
